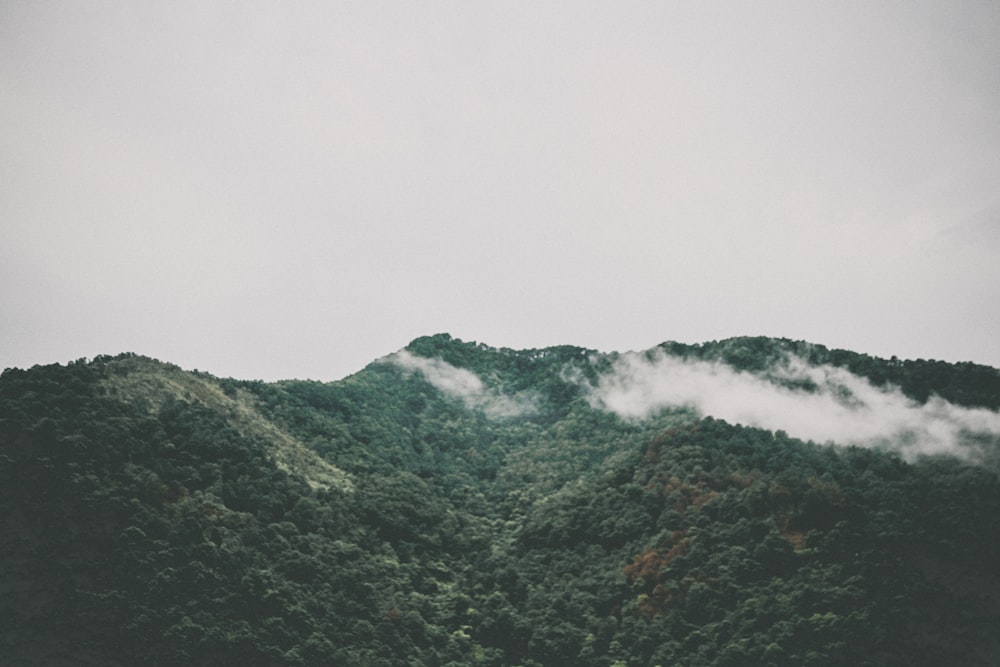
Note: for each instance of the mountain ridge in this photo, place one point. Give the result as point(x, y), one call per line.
point(453, 503)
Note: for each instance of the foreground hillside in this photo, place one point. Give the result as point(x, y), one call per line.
point(752, 501)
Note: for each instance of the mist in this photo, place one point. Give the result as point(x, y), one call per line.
point(838, 407)
point(466, 386)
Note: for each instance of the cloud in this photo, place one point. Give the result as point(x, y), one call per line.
point(838, 406)
point(464, 385)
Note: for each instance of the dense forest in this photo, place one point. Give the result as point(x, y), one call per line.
point(458, 504)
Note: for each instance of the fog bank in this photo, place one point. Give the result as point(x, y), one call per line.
point(838, 406)
point(464, 385)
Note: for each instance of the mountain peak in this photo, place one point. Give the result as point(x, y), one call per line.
point(668, 502)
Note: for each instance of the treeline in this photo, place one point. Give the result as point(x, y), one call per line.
point(966, 383)
point(152, 516)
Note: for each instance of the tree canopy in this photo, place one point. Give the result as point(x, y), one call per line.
point(150, 515)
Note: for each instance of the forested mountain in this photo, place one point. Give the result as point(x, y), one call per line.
point(746, 502)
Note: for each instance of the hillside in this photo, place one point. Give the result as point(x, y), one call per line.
point(749, 501)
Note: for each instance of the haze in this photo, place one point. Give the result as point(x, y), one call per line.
point(842, 408)
point(275, 190)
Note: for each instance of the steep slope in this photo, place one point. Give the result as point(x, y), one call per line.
point(454, 503)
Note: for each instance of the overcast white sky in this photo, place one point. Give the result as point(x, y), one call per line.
point(273, 190)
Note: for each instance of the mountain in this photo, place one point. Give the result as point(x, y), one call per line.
point(751, 501)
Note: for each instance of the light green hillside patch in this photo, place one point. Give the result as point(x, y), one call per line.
point(153, 384)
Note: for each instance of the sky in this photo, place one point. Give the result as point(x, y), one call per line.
point(292, 190)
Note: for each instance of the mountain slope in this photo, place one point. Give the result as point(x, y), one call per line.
point(454, 503)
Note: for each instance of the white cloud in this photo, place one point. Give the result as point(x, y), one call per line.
point(844, 408)
point(464, 385)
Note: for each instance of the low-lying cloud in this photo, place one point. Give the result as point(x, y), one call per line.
point(840, 407)
point(464, 385)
